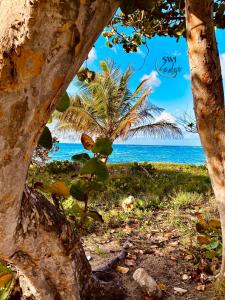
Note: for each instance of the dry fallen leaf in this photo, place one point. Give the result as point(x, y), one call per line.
point(4, 279)
point(200, 287)
point(122, 270)
point(173, 258)
point(204, 239)
point(188, 257)
point(162, 286)
point(214, 223)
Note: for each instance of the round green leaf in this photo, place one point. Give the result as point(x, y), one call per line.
point(79, 190)
point(95, 167)
point(46, 139)
point(83, 157)
point(63, 103)
point(103, 146)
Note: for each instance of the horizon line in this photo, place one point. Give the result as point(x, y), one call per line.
point(79, 143)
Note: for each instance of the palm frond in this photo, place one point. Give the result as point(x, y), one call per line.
point(79, 117)
point(132, 114)
point(161, 129)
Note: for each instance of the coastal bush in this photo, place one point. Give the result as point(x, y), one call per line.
point(141, 168)
point(209, 236)
point(62, 166)
point(87, 174)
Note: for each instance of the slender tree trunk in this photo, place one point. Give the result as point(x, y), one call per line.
point(208, 95)
point(43, 44)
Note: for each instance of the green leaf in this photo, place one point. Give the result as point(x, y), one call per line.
point(103, 146)
point(63, 103)
point(74, 210)
point(95, 186)
point(219, 252)
point(210, 254)
point(213, 245)
point(46, 139)
point(95, 216)
point(79, 190)
point(83, 157)
point(95, 167)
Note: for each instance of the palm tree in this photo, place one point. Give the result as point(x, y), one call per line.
point(105, 107)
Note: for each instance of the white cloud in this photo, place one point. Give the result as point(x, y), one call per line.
point(176, 53)
point(222, 62)
point(153, 79)
point(92, 56)
point(165, 116)
point(187, 76)
point(140, 52)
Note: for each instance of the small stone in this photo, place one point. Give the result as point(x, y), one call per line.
point(138, 252)
point(147, 283)
point(89, 257)
point(127, 245)
point(185, 277)
point(179, 291)
point(188, 257)
point(200, 287)
point(173, 244)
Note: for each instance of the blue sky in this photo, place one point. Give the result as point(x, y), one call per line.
point(172, 94)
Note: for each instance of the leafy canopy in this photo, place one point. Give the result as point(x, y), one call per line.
point(147, 18)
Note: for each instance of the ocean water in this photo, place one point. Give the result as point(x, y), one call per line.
point(139, 153)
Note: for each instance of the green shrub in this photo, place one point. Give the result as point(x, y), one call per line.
point(64, 166)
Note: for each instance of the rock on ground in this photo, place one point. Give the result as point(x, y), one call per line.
point(147, 283)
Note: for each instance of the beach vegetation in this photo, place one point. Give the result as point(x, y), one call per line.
point(90, 175)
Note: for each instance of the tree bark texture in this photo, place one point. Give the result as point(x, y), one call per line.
point(42, 46)
point(207, 88)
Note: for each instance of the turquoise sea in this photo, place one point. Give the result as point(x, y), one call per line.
point(139, 153)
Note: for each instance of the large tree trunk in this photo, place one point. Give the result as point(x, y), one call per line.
point(43, 44)
point(208, 95)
